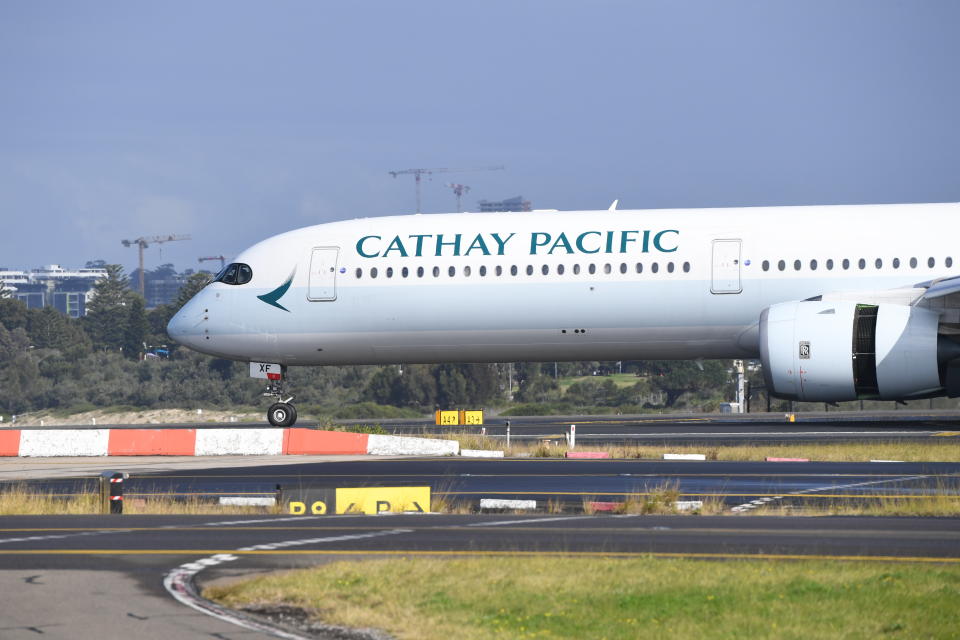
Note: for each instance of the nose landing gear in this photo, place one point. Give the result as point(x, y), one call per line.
point(280, 413)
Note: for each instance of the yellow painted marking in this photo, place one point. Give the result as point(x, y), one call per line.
point(480, 553)
point(946, 434)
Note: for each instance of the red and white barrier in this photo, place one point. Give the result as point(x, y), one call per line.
point(212, 442)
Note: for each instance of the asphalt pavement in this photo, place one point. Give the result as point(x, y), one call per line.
point(654, 429)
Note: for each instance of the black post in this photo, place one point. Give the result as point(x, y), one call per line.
point(111, 491)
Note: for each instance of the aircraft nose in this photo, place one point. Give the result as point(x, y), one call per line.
point(186, 326)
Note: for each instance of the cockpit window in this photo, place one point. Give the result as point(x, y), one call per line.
point(235, 273)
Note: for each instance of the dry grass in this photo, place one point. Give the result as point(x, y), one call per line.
point(21, 500)
point(931, 450)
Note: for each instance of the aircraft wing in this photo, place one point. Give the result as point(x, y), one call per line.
point(940, 287)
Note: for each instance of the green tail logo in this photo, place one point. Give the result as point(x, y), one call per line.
point(274, 296)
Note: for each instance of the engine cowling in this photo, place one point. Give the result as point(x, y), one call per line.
point(819, 351)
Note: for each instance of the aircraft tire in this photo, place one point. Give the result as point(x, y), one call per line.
point(281, 414)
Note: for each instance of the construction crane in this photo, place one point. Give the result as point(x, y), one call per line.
point(222, 260)
point(458, 190)
point(144, 242)
point(418, 173)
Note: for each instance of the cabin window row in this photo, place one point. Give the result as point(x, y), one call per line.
point(514, 270)
point(846, 264)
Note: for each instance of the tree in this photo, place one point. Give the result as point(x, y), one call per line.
point(190, 288)
point(136, 327)
point(107, 313)
point(676, 377)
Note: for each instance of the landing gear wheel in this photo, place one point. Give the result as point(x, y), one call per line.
point(281, 414)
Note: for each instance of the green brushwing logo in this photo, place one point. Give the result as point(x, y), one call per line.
point(274, 296)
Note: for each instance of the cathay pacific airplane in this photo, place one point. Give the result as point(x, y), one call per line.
point(838, 302)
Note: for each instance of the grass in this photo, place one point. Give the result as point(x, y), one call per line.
point(622, 380)
point(932, 450)
point(569, 597)
point(20, 500)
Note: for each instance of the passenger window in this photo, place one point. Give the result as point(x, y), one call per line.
point(878, 263)
point(373, 272)
point(796, 265)
point(419, 272)
point(846, 264)
point(389, 272)
point(576, 269)
point(623, 267)
point(483, 270)
point(529, 269)
point(669, 267)
point(686, 267)
point(830, 264)
point(560, 269)
point(592, 269)
point(766, 265)
point(654, 267)
point(545, 270)
point(405, 272)
point(813, 265)
point(862, 263)
point(451, 271)
point(781, 265)
point(499, 270)
point(948, 262)
point(436, 272)
point(513, 270)
point(639, 267)
point(913, 263)
point(359, 273)
point(896, 263)
point(931, 262)
point(607, 268)
point(466, 271)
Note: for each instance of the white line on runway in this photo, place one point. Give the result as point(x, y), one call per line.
point(746, 506)
point(527, 521)
point(179, 582)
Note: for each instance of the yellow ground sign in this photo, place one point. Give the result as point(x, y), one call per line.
point(448, 417)
point(374, 500)
point(472, 417)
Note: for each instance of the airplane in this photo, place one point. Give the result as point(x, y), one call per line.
point(837, 302)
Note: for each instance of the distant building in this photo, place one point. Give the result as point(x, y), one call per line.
point(510, 204)
point(160, 285)
point(67, 290)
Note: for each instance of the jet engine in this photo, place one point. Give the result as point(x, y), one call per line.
point(835, 351)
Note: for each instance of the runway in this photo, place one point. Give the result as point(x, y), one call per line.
point(651, 429)
point(105, 573)
point(569, 483)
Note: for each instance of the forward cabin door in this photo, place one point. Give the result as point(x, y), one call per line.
point(726, 267)
point(323, 273)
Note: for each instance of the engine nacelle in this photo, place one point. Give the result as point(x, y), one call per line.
point(837, 351)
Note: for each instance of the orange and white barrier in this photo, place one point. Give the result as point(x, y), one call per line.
point(212, 442)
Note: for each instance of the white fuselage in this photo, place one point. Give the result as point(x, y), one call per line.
point(597, 285)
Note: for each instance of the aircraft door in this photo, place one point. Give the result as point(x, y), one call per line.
point(726, 267)
point(323, 273)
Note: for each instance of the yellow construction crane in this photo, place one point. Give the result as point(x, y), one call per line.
point(144, 242)
point(418, 173)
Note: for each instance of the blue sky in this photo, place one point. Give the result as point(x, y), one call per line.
point(232, 120)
